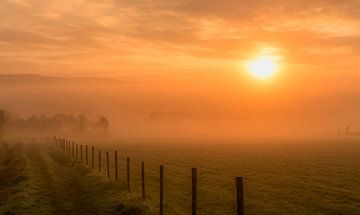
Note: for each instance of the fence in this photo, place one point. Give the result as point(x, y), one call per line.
point(71, 149)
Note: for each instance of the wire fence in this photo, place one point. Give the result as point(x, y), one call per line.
point(85, 155)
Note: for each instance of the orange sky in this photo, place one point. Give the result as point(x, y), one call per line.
point(118, 38)
point(198, 42)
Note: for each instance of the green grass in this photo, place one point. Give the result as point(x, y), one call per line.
point(38, 180)
point(12, 176)
point(308, 177)
point(280, 178)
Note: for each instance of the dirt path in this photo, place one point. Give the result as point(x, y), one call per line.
point(39, 180)
point(11, 165)
point(61, 182)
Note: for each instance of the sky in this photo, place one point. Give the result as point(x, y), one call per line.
point(112, 38)
point(198, 49)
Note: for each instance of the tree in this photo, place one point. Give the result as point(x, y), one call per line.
point(83, 123)
point(103, 125)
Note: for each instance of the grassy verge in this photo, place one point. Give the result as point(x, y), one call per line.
point(38, 180)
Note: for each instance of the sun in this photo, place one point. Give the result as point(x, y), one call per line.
point(263, 67)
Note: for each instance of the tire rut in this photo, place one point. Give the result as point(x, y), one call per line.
point(64, 189)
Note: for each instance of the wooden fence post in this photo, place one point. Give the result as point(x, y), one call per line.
point(194, 190)
point(143, 179)
point(99, 161)
point(77, 149)
point(107, 164)
point(161, 190)
point(72, 151)
point(240, 196)
point(92, 157)
point(81, 157)
point(63, 144)
point(128, 172)
point(116, 166)
point(86, 154)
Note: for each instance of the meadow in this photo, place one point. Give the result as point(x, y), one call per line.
point(281, 177)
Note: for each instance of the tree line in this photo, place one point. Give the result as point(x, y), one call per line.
point(59, 124)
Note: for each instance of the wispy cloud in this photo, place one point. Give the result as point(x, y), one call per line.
point(114, 35)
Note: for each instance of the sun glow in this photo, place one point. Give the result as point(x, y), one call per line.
point(263, 67)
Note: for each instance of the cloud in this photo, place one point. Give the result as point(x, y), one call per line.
point(126, 31)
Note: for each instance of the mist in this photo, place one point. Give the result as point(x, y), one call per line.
point(190, 107)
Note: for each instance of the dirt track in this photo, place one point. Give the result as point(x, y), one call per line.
point(38, 180)
point(62, 185)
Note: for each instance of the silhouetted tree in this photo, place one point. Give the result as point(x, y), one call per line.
point(103, 125)
point(83, 124)
point(60, 124)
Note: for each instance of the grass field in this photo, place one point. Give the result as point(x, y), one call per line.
point(38, 180)
point(308, 177)
point(280, 178)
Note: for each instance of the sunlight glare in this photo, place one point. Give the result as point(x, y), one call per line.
point(263, 67)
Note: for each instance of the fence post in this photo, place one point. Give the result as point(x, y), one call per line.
point(143, 179)
point(92, 157)
point(161, 190)
point(99, 161)
point(107, 164)
point(72, 151)
point(240, 196)
point(116, 166)
point(128, 172)
point(86, 154)
point(194, 190)
point(77, 149)
point(81, 157)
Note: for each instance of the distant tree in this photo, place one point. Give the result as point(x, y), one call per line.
point(61, 124)
point(2, 123)
point(103, 125)
point(82, 124)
